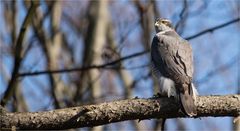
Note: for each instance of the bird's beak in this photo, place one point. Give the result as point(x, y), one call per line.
point(156, 24)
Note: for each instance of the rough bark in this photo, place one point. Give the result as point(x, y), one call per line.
point(131, 109)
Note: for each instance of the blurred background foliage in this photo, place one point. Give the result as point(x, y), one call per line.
point(105, 43)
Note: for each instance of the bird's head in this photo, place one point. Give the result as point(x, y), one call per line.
point(162, 24)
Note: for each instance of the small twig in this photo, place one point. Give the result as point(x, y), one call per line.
point(126, 35)
point(183, 15)
point(213, 29)
point(83, 68)
point(127, 68)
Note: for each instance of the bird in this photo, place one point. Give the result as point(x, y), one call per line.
point(172, 65)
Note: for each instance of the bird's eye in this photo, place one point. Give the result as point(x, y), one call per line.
point(165, 22)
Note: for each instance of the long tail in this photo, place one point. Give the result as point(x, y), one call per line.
point(187, 101)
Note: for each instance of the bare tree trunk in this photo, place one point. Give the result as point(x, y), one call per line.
point(10, 14)
point(19, 101)
point(94, 43)
point(51, 46)
point(97, 47)
point(53, 52)
point(124, 75)
point(147, 13)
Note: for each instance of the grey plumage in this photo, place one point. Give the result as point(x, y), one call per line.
point(173, 65)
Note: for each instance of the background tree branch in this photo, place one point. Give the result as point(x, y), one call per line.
point(122, 110)
point(123, 58)
point(213, 29)
point(18, 53)
point(84, 68)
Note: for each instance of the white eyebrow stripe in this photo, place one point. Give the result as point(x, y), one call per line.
point(163, 32)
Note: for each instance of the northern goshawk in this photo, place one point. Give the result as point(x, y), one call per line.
point(172, 63)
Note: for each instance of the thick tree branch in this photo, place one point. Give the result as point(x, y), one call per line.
point(131, 109)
